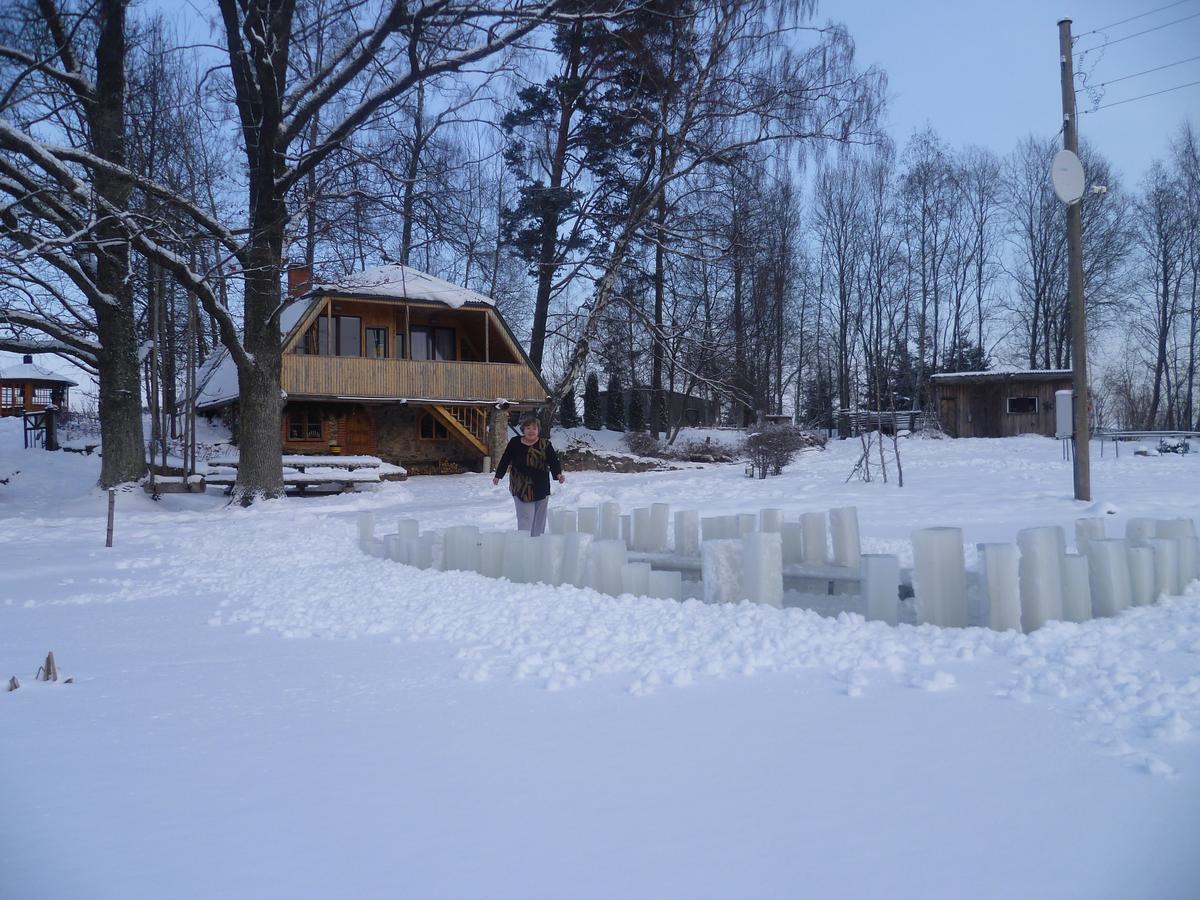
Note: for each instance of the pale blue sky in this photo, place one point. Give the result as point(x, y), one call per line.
point(988, 73)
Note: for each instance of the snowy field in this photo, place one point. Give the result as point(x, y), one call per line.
point(259, 710)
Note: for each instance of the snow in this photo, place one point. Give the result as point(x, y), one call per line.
point(33, 372)
point(260, 709)
point(399, 282)
point(1003, 371)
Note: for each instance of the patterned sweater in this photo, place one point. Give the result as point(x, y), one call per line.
point(531, 467)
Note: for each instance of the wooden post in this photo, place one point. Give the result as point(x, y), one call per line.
point(112, 502)
point(487, 336)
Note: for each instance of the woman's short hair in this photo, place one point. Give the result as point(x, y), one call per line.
point(527, 418)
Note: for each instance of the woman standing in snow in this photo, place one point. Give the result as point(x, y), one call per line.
point(532, 461)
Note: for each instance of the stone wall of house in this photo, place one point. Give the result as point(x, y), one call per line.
point(397, 439)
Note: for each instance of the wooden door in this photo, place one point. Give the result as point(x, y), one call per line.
point(360, 439)
point(948, 413)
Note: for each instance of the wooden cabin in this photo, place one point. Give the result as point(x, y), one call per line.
point(999, 403)
point(395, 363)
point(30, 388)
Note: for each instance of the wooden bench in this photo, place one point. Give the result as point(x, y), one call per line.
point(301, 472)
point(793, 573)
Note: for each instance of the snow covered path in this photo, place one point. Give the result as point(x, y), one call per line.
point(259, 710)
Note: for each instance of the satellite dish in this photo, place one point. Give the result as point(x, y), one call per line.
point(1066, 173)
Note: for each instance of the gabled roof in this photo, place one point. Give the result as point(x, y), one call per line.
point(33, 372)
point(396, 282)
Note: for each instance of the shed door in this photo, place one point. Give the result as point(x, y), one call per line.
point(948, 413)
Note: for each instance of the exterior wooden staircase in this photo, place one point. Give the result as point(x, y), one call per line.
point(467, 423)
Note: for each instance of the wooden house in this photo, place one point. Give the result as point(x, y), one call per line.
point(394, 363)
point(1000, 403)
point(30, 388)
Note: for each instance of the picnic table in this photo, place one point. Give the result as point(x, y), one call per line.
point(301, 471)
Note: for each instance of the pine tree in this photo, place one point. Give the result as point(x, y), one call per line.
point(615, 417)
point(568, 417)
point(637, 411)
point(591, 402)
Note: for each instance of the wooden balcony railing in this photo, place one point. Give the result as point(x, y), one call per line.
point(350, 376)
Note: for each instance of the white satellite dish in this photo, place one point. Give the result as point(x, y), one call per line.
point(1066, 173)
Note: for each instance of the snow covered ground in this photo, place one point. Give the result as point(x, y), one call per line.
point(259, 710)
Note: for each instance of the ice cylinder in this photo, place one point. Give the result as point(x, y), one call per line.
point(762, 567)
point(721, 570)
point(940, 576)
point(1141, 576)
point(816, 546)
point(881, 586)
point(687, 532)
point(999, 566)
point(1108, 575)
point(1040, 575)
point(843, 526)
point(635, 579)
point(1077, 593)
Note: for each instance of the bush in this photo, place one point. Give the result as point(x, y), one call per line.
point(644, 444)
point(637, 411)
point(568, 416)
point(615, 415)
point(772, 447)
point(591, 402)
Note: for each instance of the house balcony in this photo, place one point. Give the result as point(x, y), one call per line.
point(416, 379)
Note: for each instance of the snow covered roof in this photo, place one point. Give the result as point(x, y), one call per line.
point(401, 283)
point(1004, 372)
point(217, 379)
point(29, 371)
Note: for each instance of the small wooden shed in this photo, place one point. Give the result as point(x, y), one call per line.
point(1000, 403)
point(30, 388)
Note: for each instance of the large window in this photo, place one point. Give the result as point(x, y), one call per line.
point(304, 425)
point(430, 342)
point(377, 343)
point(1018, 405)
point(11, 396)
point(347, 332)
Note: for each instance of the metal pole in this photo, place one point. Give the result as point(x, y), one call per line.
point(1083, 475)
point(112, 500)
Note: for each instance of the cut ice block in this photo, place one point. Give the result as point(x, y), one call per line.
point(721, 570)
point(1077, 592)
point(588, 520)
point(461, 548)
point(408, 528)
point(420, 550)
point(1108, 575)
point(747, 523)
point(393, 547)
point(770, 519)
point(605, 561)
point(716, 528)
point(1041, 576)
point(610, 520)
point(556, 521)
point(843, 526)
point(641, 529)
point(550, 549)
point(518, 556)
point(374, 546)
point(687, 532)
point(667, 585)
point(1088, 529)
point(1174, 528)
point(568, 521)
point(816, 545)
point(762, 567)
point(881, 586)
point(1141, 576)
point(660, 521)
point(999, 573)
point(1138, 531)
point(576, 547)
point(940, 576)
point(366, 528)
point(635, 579)
point(627, 529)
point(793, 542)
point(1189, 561)
point(491, 554)
point(1166, 566)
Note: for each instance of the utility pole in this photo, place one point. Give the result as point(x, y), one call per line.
point(1083, 474)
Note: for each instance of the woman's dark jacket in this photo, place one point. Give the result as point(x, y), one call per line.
point(531, 469)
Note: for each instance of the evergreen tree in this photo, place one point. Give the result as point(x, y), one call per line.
point(637, 411)
point(591, 402)
point(615, 415)
point(568, 417)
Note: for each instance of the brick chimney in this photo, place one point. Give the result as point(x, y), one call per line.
point(28, 360)
point(299, 275)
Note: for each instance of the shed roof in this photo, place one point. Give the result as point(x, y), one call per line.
point(1003, 374)
point(29, 371)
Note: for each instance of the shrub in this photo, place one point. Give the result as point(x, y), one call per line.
point(772, 447)
point(615, 414)
point(644, 444)
point(568, 416)
point(637, 411)
point(591, 402)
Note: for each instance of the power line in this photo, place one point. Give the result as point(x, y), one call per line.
point(1139, 33)
point(1147, 71)
point(1148, 12)
point(1177, 87)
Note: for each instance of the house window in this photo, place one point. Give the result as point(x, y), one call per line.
point(304, 425)
point(429, 342)
point(9, 396)
point(347, 331)
point(1019, 405)
point(432, 429)
point(400, 345)
point(377, 343)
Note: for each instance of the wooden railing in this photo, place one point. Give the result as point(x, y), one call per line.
point(350, 376)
